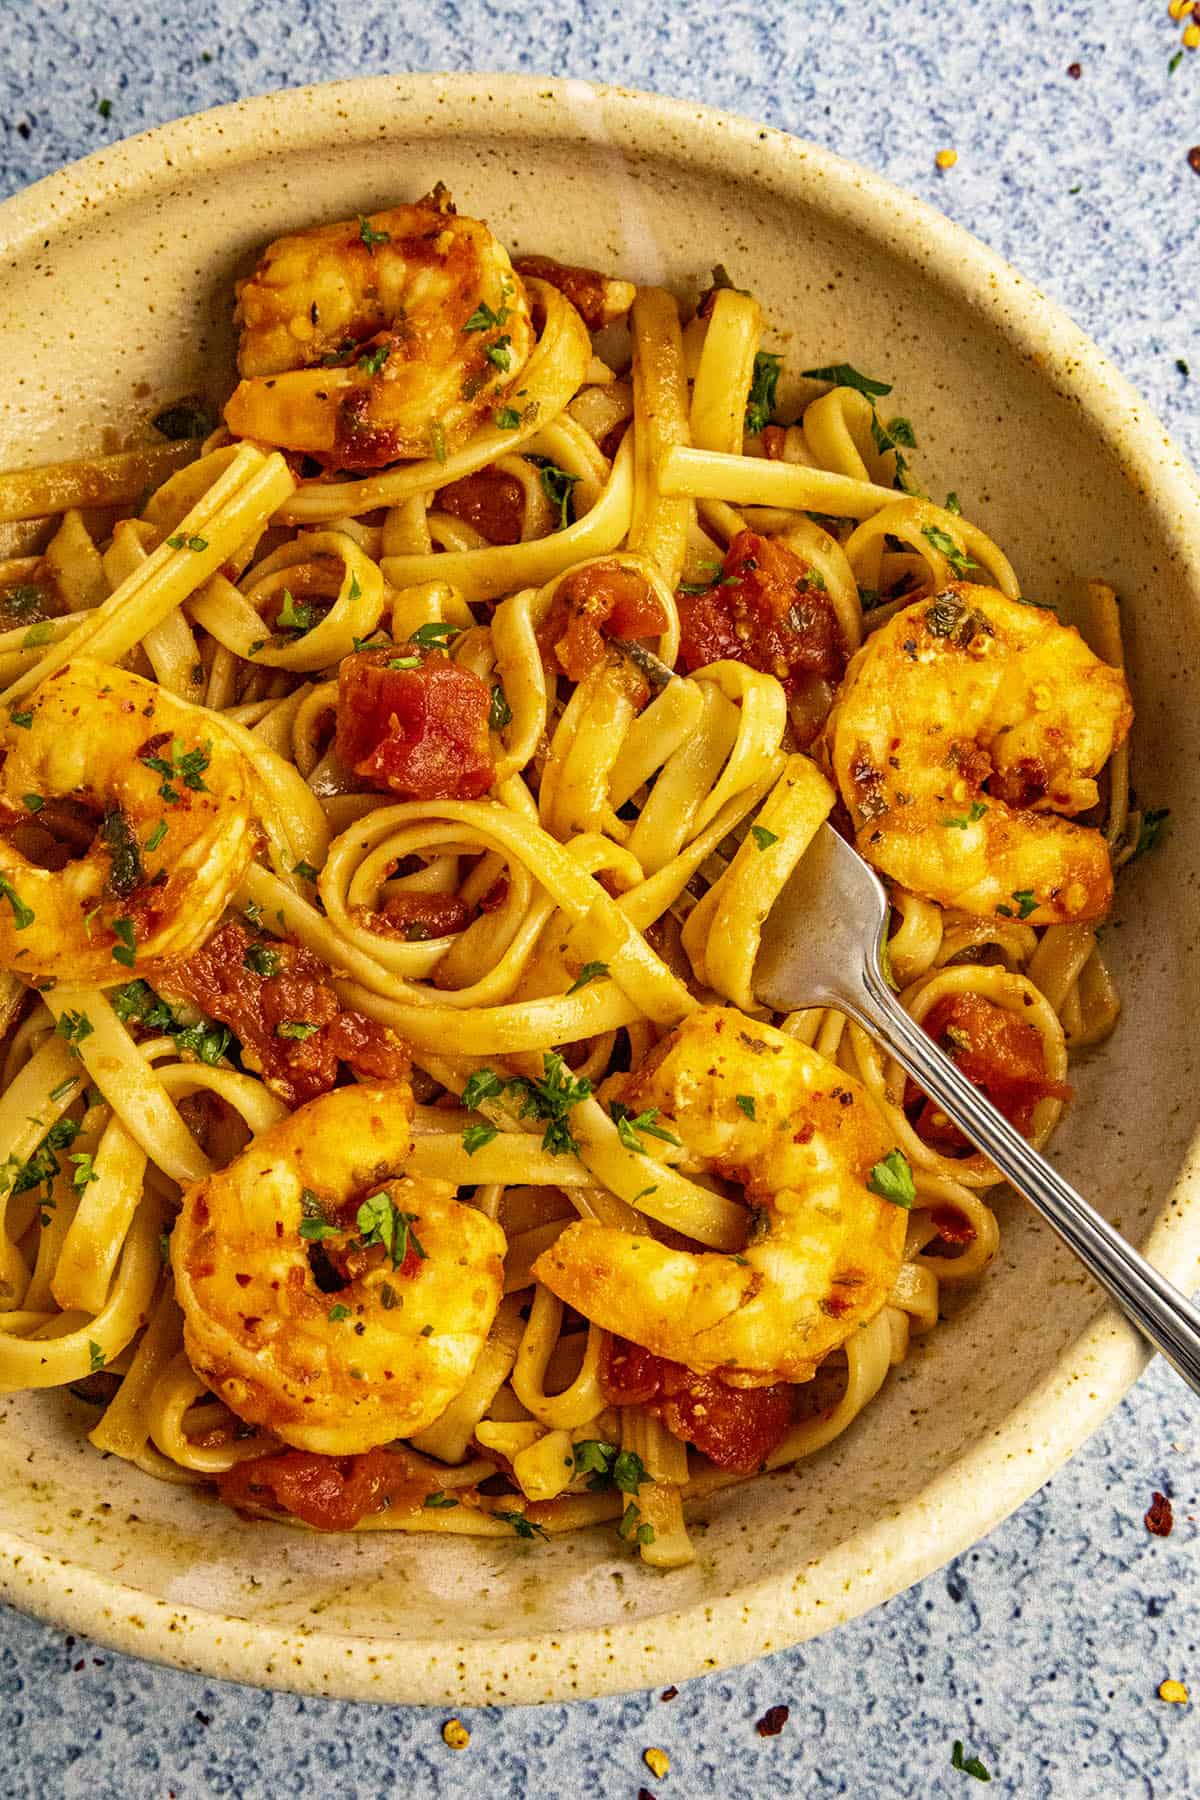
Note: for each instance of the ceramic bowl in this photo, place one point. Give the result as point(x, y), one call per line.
point(117, 277)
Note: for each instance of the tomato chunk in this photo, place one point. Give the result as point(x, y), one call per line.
point(736, 1428)
point(421, 733)
point(415, 916)
point(767, 610)
point(292, 994)
point(330, 1493)
point(602, 599)
point(997, 1050)
point(491, 501)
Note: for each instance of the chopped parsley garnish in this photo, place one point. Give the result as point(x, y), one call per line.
point(63, 1088)
point(628, 1125)
point(370, 236)
point(22, 915)
point(715, 579)
point(606, 1466)
point(262, 960)
point(892, 1179)
point(157, 835)
point(558, 488)
point(84, 1169)
point(893, 435)
point(484, 319)
point(293, 616)
point(373, 361)
point(381, 1222)
point(43, 1165)
point(21, 599)
point(746, 1102)
point(1026, 903)
point(125, 950)
point(942, 542)
point(1150, 830)
point(760, 402)
point(506, 418)
point(846, 375)
point(337, 1313)
point(315, 1226)
point(96, 1357)
point(74, 1026)
point(32, 802)
point(437, 440)
point(633, 1528)
point(439, 1501)
point(104, 108)
point(953, 505)
point(592, 971)
point(195, 544)
point(295, 1028)
point(23, 719)
point(499, 712)
point(304, 870)
point(137, 1004)
point(550, 1098)
point(125, 871)
point(762, 837)
point(434, 636)
point(970, 1765)
point(499, 354)
point(524, 1528)
point(186, 766)
point(476, 1136)
point(969, 818)
point(38, 634)
point(404, 662)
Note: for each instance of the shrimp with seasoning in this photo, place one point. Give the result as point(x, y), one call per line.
point(969, 733)
point(126, 822)
point(378, 338)
point(823, 1251)
point(327, 1296)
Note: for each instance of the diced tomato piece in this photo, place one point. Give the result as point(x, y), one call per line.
point(298, 994)
point(764, 610)
point(996, 1049)
point(491, 501)
point(330, 1493)
point(421, 733)
point(602, 599)
point(415, 915)
point(736, 1428)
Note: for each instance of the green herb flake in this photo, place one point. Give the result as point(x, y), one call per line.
point(380, 1221)
point(762, 837)
point(373, 361)
point(499, 712)
point(558, 487)
point(24, 720)
point(484, 1084)
point(892, 1179)
point(484, 319)
point(84, 1170)
point(435, 635)
point(185, 766)
point(32, 802)
point(628, 1125)
point(38, 634)
point(23, 916)
point(953, 505)
point(304, 870)
point(969, 818)
point(592, 971)
point(262, 960)
point(404, 662)
point(104, 108)
point(846, 375)
point(475, 1137)
point(74, 1026)
point(760, 402)
point(970, 1765)
point(96, 1357)
point(299, 1029)
point(507, 418)
point(1151, 826)
point(337, 1313)
point(293, 616)
point(439, 1501)
point(157, 835)
point(63, 1089)
point(1026, 903)
point(746, 1102)
point(524, 1528)
point(437, 440)
point(369, 236)
point(632, 1528)
point(194, 544)
point(945, 545)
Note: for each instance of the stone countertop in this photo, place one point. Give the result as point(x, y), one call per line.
point(1042, 1648)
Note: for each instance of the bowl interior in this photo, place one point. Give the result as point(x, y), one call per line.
point(116, 296)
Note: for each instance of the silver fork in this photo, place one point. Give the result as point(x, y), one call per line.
point(821, 946)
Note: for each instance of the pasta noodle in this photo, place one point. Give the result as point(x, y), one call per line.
point(387, 1172)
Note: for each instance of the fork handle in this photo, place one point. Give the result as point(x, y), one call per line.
point(1149, 1301)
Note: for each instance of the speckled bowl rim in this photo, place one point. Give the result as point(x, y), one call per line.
point(993, 1476)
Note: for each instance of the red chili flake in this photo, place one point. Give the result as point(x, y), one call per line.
point(772, 1721)
point(668, 1693)
point(1074, 70)
point(1160, 1519)
point(645, 1794)
point(1194, 158)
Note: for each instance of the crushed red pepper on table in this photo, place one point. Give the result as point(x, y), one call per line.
point(1160, 1519)
point(772, 1721)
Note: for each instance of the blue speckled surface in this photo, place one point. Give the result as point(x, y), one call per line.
point(1043, 1647)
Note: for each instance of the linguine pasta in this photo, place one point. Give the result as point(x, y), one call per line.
point(397, 777)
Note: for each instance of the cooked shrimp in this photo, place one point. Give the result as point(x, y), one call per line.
point(822, 1250)
point(327, 1295)
point(968, 725)
point(378, 338)
point(126, 822)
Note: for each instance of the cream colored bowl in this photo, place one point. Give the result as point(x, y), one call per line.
point(115, 293)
